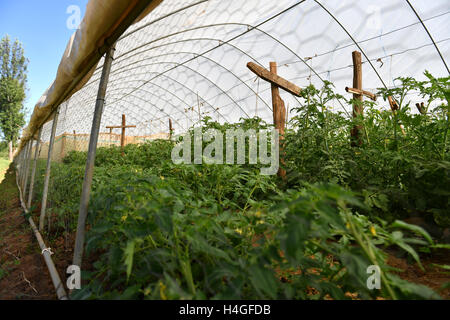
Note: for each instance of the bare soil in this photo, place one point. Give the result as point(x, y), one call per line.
point(23, 272)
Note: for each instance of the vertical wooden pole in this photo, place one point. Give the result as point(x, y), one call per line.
point(170, 129)
point(122, 138)
point(75, 147)
point(279, 116)
point(110, 136)
point(275, 94)
point(357, 106)
point(63, 146)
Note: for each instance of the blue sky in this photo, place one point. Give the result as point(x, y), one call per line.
point(41, 27)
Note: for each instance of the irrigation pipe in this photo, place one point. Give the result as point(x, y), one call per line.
point(60, 292)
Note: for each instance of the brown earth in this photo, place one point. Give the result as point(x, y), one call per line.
point(23, 272)
point(433, 277)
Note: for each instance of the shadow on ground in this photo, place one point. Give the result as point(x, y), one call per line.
point(23, 273)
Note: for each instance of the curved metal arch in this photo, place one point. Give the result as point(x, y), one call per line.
point(194, 39)
point(356, 43)
point(155, 107)
point(178, 98)
point(178, 110)
point(250, 28)
point(209, 39)
point(159, 97)
point(114, 108)
point(150, 81)
point(213, 61)
point(133, 113)
point(177, 82)
point(178, 64)
point(169, 79)
point(163, 73)
point(429, 34)
point(162, 18)
point(86, 101)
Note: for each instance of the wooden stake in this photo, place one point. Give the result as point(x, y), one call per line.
point(110, 136)
point(63, 146)
point(368, 94)
point(122, 136)
point(279, 115)
point(170, 129)
point(123, 127)
point(75, 140)
point(357, 106)
point(274, 79)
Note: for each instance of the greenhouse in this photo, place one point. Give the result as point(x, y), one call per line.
point(347, 99)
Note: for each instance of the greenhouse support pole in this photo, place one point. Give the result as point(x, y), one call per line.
point(88, 175)
point(19, 163)
point(33, 172)
point(22, 164)
point(25, 165)
point(27, 168)
point(47, 171)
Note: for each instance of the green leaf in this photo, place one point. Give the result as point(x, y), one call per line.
point(409, 288)
point(129, 254)
point(413, 228)
point(263, 280)
point(411, 251)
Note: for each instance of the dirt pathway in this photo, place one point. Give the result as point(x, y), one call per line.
point(23, 273)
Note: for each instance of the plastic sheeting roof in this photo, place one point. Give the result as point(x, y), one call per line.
point(187, 59)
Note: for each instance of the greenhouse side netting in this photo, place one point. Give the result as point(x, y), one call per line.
point(187, 60)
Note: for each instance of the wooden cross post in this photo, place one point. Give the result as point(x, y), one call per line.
point(279, 110)
point(110, 137)
point(123, 127)
point(75, 140)
point(170, 129)
point(358, 94)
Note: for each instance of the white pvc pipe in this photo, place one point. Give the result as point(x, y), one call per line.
point(60, 292)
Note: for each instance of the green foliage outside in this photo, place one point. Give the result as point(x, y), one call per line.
point(165, 231)
point(13, 79)
point(4, 161)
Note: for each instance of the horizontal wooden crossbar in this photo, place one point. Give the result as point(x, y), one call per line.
point(119, 127)
point(274, 79)
point(368, 94)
